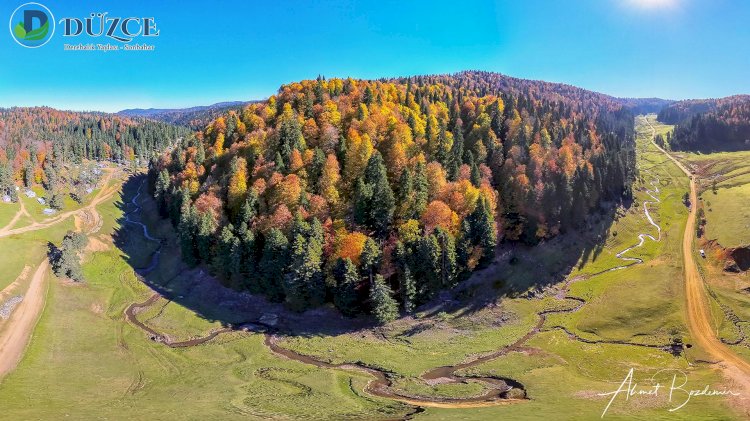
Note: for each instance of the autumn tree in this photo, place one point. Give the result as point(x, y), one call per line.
point(329, 180)
point(237, 188)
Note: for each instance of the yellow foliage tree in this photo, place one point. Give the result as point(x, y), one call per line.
point(238, 186)
point(351, 246)
point(359, 150)
point(329, 180)
point(219, 144)
point(438, 214)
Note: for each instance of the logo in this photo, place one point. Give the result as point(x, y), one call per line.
point(32, 25)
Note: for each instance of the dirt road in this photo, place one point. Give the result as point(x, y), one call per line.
point(20, 325)
point(734, 367)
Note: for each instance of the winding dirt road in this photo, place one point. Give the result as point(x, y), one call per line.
point(734, 367)
point(17, 330)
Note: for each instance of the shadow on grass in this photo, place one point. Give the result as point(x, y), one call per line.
point(518, 269)
point(195, 289)
point(522, 270)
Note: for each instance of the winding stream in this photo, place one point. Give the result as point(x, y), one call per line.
point(498, 389)
point(154, 257)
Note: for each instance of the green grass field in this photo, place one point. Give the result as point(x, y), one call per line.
point(85, 361)
point(7, 212)
point(728, 215)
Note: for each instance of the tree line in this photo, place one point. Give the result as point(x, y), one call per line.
point(721, 125)
point(37, 143)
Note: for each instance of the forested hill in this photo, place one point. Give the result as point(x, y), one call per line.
point(362, 192)
point(710, 125)
point(32, 139)
point(193, 117)
point(80, 135)
point(645, 105)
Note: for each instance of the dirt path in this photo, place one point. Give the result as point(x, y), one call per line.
point(734, 367)
point(20, 325)
point(21, 212)
point(104, 194)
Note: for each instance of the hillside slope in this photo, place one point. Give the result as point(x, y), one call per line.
point(350, 190)
point(710, 125)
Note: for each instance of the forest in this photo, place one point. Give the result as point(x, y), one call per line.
point(36, 143)
point(377, 194)
point(194, 117)
point(710, 125)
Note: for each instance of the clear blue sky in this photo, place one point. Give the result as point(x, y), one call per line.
point(213, 51)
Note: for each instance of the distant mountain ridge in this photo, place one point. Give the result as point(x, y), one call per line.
point(194, 117)
point(645, 105)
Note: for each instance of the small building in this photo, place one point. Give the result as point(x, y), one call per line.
point(6, 198)
point(30, 193)
point(703, 253)
point(41, 200)
point(49, 211)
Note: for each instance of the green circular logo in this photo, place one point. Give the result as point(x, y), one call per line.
point(32, 25)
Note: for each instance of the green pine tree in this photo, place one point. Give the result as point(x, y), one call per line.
point(384, 307)
point(464, 245)
point(272, 264)
point(448, 265)
point(225, 248)
point(383, 205)
point(429, 260)
point(408, 291)
point(303, 283)
point(346, 278)
point(370, 258)
point(362, 199)
point(186, 230)
point(476, 176)
point(205, 237)
point(455, 157)
point(483, 229)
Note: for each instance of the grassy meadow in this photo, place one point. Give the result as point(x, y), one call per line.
point(85, 361)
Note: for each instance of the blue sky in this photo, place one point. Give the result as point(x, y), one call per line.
point(240, 50)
